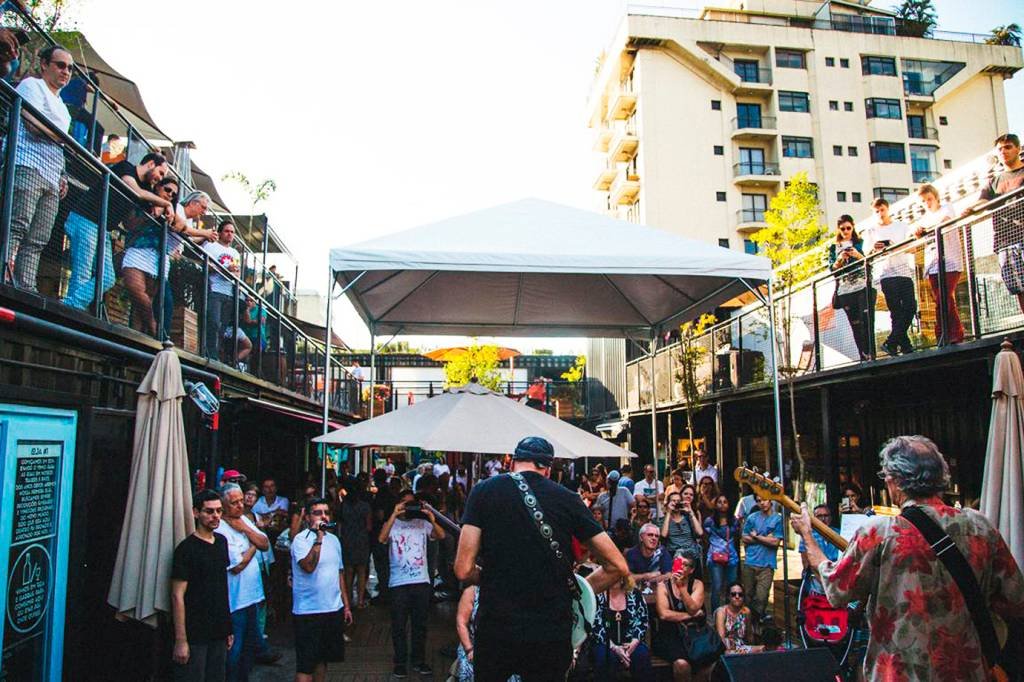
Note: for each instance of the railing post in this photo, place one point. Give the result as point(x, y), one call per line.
point(90, 140)
point(972, 284)
point(99, 269)
point(940, 293)
point(816, 325)
point(309, 387)
point(869, 309)
point(128, 143)
point(258, 369)
point(7, 203)
point(234, 328)
point(161, 290)
point(205, 297)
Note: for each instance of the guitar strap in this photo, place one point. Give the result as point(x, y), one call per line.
point(953, 559)
point(547, 535)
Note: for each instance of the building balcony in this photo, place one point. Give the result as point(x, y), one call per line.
point(922, 133)
point(625, 188)
point(621, 105)
point(623, 146)
point(754, 81)
point(603, 139)
point(754, 128)
point(756, 174)
point(926, 175)
point(749, 220)
point(605, 178)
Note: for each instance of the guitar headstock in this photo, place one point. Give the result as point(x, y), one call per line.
point(760, 484)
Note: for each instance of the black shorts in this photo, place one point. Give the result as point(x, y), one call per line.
point(496, 658)
point(319, 638)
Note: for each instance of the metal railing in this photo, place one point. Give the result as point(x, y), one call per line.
point(72, 232)
point(758, 122)
point(922, 132)
point(755, 168)
point(926, 175)
point(750, 215)
point(961, 275)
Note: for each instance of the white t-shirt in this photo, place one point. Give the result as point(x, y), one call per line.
point(261, 507)
point(644, 489)
point(699, 473)
point(245, 588)
point(225, 256)
point(408, 552)
point(36, 150)
point(319, 591)
point(493, 467)
point(898, 264)
point(442, 468)
point(952, 251)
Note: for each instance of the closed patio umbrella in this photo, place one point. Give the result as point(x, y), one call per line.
point(1002, 488)
point(159, 511)
point(472, 418)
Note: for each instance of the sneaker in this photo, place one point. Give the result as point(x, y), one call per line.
point(891, 348)
point(400, 672)
point(423, 669)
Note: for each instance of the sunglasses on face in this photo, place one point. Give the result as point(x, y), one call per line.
point(63, 66)
point(735, 594)
point(845, 229)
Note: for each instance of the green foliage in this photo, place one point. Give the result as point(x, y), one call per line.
point(52, 15)
point(794, 229)
point(1008, 34)
point(689, 358)
point(543, 351)
point(479, 362)
point(918, 16)
point(399, 347)
point(578, 369)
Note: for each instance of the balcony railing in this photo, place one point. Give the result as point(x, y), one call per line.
point(925, 175)
point(754, 122)
point(962, 254)
point(81, 218)
point(922, 132)
point(562, 399)
point(750, 215)
point(755, 168)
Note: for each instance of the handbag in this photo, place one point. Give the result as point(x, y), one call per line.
point(722, 557)
point(703, 645)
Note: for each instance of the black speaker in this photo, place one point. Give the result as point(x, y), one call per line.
point(798, 665)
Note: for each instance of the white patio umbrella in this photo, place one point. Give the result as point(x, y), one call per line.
point(472, 418)
point(1002, 488)
point(159, 510)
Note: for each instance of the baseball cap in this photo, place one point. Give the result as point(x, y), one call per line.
point(535, 449)
point(614, 475)
point(232, 474)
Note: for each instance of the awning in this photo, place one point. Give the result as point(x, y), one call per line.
point(288, 411)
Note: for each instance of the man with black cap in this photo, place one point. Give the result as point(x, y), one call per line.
point(524, 622)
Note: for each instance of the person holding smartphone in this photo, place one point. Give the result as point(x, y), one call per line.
point(854, 295)
point(895, 276)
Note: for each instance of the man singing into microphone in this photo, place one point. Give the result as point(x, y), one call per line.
point(524, 622)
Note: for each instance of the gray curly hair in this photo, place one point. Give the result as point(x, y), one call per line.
point(915, 464)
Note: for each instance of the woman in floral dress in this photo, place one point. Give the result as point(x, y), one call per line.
point(733, 622)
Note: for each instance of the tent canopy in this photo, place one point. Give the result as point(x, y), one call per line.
point(535, 268)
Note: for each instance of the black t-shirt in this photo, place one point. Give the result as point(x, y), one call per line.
point(1006, 228)
point(523, 595)
point(124, 204)
point(204, 566)
point(383, 502)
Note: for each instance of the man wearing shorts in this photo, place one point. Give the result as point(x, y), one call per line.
point(320, 604)
point(1007, 230)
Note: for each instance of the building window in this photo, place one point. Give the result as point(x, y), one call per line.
point(719, 150)
point(880, 107)
point(837, 150)
point(841, 196)
point(748, 115)
point(797, 147)
point(833, 105)
point(943, 121)
point(752, 162)
point(724, 242)
point(716, 105)
point(878, 66)
point(747, 70)
point(856, 197)
point(851, 151)
point(750, 247)
point(830, 61)
point(947, 164)
point(887, 152)
point(720, 196)
point(794, 101)
point(847, 106)
point(923, 164)
point(891, 194)
point(754, 206)
point(790, 59)
point(844, 62)
point(917, 129)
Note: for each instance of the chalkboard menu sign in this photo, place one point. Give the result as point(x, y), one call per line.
point(30, 565)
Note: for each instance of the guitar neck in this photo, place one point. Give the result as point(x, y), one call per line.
point(826, 532)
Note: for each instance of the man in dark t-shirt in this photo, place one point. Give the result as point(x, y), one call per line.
point(199, 596)
point(524, 622)
point(141, 179)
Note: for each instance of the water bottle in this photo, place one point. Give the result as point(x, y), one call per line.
point(204, 399)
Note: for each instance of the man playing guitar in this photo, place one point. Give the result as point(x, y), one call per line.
point(524, 621)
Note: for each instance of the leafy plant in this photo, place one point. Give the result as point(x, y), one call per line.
point(918, 17)
point(690, 356)
point(794, 230)
point(576, 372)
point(479, 363)
point(1008, 34)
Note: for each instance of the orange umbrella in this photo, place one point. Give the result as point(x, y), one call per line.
point(449, 354)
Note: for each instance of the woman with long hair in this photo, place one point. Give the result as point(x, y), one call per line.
point(681, 530)
point(723, 558)
point(679, 602)
point(952, 262)
point(354, 525)
point(707, 493)
point(854, 295)
point(620, 633)
point(733, 622)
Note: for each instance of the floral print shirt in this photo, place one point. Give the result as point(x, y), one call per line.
point(920, 626)
point(636, 612)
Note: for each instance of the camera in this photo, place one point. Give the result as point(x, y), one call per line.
point(327, 525)
point(414, 507)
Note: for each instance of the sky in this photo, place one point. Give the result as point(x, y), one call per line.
point(373, 117)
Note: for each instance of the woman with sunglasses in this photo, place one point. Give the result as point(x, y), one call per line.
point(620, 633)
point(853, 294)
point(679, 603)
point(681, 530)
point(723, 558)
point(641, 516)
point(952, 261)
point(733, 622)
point(707, 491)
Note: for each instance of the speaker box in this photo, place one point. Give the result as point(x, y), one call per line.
point(799, 665)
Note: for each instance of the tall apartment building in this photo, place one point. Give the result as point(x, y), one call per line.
point(702, 116)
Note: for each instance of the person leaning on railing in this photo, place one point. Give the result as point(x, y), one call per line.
point(895, 275)
point(853, 295)
point(952, 261)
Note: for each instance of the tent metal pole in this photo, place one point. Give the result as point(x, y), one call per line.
point(778, 449)
point(327, 382)
point(654, 407)
point(373, 368)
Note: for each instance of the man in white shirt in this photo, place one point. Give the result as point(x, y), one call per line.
point(896, 276)
point(652, 490)
point(39, 180)
point(245, 586)
point(220, 301)
point(408, 530)
point(702, 467)
point(270, 505)
point(320, 603)
point(492, 467)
